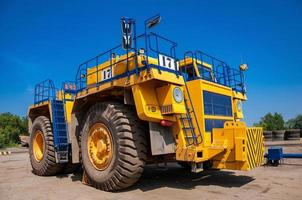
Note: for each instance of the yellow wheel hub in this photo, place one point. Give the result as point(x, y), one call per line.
point(38, 145)
point(99, 146)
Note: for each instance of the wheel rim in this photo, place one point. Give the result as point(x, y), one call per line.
point(38, 145)
point(100, 146)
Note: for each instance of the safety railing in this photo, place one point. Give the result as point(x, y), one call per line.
point(109, 59)
point(101, 68)
point(214, 70)
point(217, 72)
point(44, 91)
point(161, 45)
point(236, 80)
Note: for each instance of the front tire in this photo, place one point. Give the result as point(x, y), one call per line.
point(41, 148)
point(113, 146)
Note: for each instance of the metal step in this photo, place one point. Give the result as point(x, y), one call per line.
point(185, 118)
point(187, 124)
point(62, 156)
point(196, 167)
point(60, 131)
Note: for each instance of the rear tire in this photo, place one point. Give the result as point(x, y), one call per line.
point(268, 135)
point(278, 135)
point(129, 146)
point(46, 166)
point(292, 134)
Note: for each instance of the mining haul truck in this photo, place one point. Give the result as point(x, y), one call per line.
point(137, 104)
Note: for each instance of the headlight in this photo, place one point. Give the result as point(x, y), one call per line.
point(178, 95)
point(239, 105)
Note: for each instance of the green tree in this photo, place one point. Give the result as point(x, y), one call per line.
point(271, 122)
point(295, 122)
point(11, 126)
point(24, 125)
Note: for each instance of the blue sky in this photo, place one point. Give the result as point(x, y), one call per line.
point(48, 39)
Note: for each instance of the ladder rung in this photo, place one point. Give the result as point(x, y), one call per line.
point(186, 118)
point(59, 120)
point(188, 128)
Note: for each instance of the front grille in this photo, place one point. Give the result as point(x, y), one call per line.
point(166, 109)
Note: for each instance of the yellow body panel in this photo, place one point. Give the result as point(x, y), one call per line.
point(149, 102)
point(244, 147)
point(43, 108)
point(68, 110)
point(166, 101)
point(146, 91)
point(118, 65)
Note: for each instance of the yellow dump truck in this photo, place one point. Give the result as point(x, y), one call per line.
point(138, 103)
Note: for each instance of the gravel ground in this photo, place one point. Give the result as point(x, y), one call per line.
point(283, 182)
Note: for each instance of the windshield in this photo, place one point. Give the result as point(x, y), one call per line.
point(206, 73)
point(188, 72)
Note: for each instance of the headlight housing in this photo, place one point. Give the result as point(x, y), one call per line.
point(239, 105)
point(178, 94)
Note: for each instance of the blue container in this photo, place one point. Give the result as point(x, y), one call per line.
point(275, 153)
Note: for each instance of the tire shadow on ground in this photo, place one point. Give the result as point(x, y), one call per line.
point(73, 176)
point(177, 177)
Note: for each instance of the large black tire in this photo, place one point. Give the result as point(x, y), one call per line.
point(47, 166)
point(278, 135)
point(268, 135)
point(292, 134)
point(129, 146)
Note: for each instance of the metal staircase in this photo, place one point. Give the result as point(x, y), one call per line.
point(187, 123)
point(59, 131)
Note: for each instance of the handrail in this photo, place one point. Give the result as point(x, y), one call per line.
point(223, 74)
point(172, 48)
point(44, 91)
point(205, 54)
point(218, 67)
point(110, 55)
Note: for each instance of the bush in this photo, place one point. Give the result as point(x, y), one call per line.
point(11, 126)
point(295, 123)
point(271, 122)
